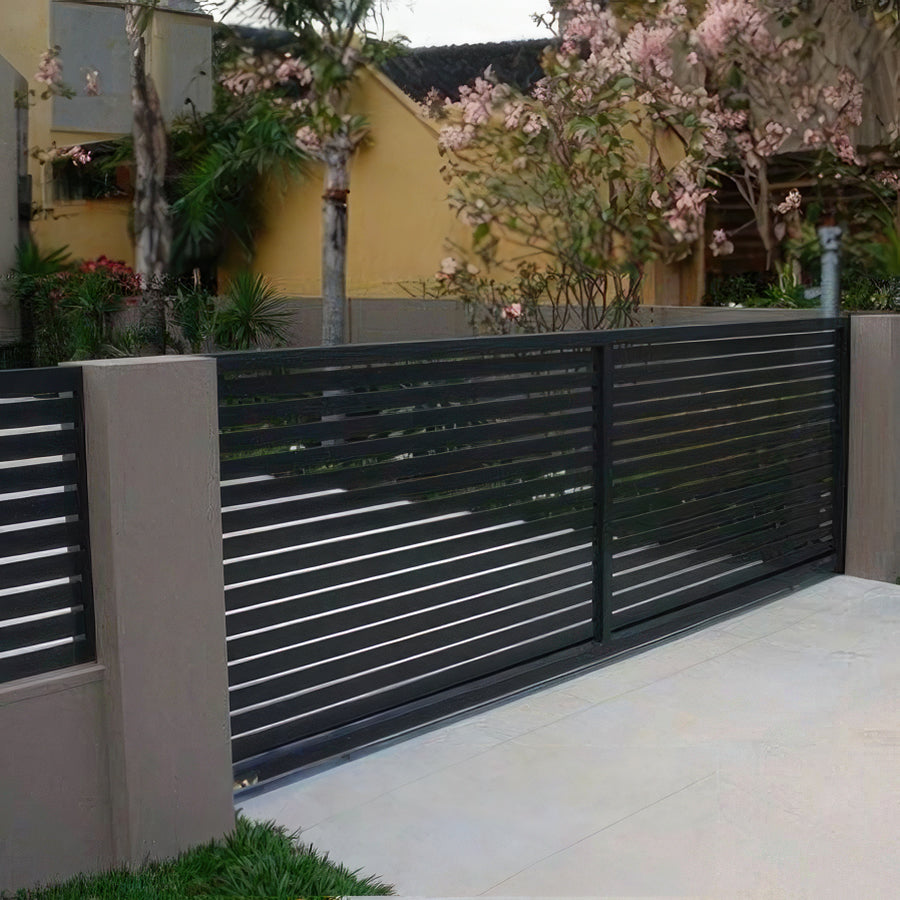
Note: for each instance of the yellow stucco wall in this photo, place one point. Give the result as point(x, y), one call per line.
point(89, 228)
point(399, 220)
point(398, 216)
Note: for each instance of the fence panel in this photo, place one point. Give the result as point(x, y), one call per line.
point(398, 525)
point(46, 619)
point(414, 528)
point(723, 466)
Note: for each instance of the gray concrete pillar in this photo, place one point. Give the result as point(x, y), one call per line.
point(873, 487)
point(156, 544)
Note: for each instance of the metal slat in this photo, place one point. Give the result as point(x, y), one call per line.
point(713, 452)
point(779, 380)
point(422, 475)
point(42, 631)
point(659, 426)
point(381, 689)
point(43, 537)
point(40, 600)
point(445, 531)
point(709, 511)
point(395, 641)
point(359, 452)
point(32, 509)
point(728, 486)
point(757, 533)
point(39, 662)
point(33, 478)
point(246, 665)
point(34, 382)
point(700, 400)
point(46, 568)
point(361, 518)
point(430, 565)
point(802, 454)
point(716, 434)
point(816, 549)
point(643, 354)
point(722, 366)
point(510, 344)
point(333, 377)
point(32, 411)
point(444, 417)
point(375, 402)
point(37, 444)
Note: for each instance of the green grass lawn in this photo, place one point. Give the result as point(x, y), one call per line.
point(255, 861)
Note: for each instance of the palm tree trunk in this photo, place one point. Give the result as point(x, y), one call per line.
point(336, 155)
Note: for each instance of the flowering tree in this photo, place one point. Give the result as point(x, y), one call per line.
point(598, 171)
point(334, 42)
point(577, 172)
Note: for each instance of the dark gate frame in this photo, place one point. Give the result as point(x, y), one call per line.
point(606, 646)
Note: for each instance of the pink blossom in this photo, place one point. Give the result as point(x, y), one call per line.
point(889, 179)
point(49, 71)
point(291, 69)
point(456, 137)
point(790, 202)
point(308, 139)
point(513, 311)
point(77, 154)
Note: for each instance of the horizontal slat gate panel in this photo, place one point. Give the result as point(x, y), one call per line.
point(350, 427)
point(41, 600)
point(480, 438)
point(43, 534)
point(691, 515)
point(405, 521)
point(25, 665)
point(331, 525)
point(390, 641)
point(417, 678)
point(722, 467)
point(367, 403)
point(287, 509)
point(385, 578)
point(45, 506)
point(247, 666)
point(287, 383)
point(441, 534)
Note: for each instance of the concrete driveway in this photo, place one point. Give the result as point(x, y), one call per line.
point(759, 757)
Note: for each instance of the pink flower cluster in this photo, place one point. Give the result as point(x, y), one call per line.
point(49, 71)
point(728, 20)
point(476, 102)
point(77, 154)
point(790, 203)
point(264, 73)
point(685, 215)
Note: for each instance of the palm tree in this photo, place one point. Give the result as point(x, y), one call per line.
point(335, 40)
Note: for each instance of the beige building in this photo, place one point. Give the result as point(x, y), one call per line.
point(91, 38)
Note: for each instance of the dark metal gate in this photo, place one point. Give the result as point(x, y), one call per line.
point(414, 529)
point(46, 603)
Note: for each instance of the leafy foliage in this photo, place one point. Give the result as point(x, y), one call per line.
point(253, 316)
point(257, 861)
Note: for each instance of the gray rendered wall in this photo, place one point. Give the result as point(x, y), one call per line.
point(129, 758)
